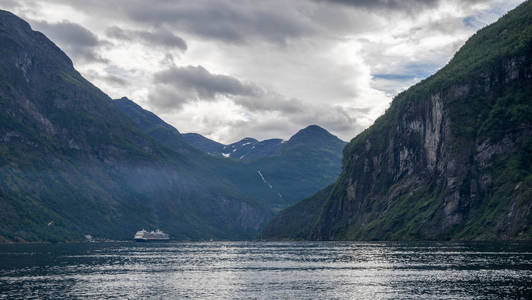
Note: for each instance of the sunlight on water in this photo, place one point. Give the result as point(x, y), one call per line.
point(267, 270)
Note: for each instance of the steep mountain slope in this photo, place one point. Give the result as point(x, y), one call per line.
point(153, 126)
point(450, 159)
point(297, 221)
point(72, 164)
point(307, 162)
point(204, 144)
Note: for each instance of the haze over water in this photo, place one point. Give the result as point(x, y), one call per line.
point(267, 270)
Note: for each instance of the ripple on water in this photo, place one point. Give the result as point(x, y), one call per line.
point(267, 270)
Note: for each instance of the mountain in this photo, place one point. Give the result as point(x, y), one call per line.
point(297, 168)
point(450, 159)
point(153, 126)
point(291, 170)
point(296, 222)
point(310, 160)
point(71, 163)
point(245, 149)
point(249, 148)
point(241, 176)
point(204, 144)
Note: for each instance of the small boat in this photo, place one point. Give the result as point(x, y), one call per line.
point(151, 236)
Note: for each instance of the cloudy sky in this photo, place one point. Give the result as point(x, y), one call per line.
point(234, 68)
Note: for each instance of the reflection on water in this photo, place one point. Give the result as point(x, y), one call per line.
point(267, 270)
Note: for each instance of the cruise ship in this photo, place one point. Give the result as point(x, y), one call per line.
point(151, 236)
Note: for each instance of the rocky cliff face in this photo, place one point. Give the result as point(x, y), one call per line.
point(428, 182)
point(451, 157)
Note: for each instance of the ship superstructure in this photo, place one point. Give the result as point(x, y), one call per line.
point(148, 236)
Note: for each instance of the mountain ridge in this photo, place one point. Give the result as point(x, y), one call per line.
point(249, 148)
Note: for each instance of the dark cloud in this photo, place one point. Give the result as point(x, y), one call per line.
point(160, 37)
point(76, 40)
point(199, 82)
point(178, 85)
point(224, 20)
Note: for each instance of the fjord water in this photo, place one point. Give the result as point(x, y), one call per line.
point(291, 270)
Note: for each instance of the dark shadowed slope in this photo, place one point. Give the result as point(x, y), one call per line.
point(450, 159)
point(153, 126)
point(297, 221)
point(72, 164)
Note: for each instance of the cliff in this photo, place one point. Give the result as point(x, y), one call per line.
point(450, 159)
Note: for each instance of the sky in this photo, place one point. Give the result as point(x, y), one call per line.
point(230, 69)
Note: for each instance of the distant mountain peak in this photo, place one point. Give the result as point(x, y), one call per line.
point(313, 133)
point(246, 140)
point(249, 148)
point(314, 127)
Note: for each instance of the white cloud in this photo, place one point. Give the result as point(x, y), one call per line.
point(267, 68)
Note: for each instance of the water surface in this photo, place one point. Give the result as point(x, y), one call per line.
point(288, 270)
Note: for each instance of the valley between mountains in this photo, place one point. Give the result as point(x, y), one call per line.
point(450, 159)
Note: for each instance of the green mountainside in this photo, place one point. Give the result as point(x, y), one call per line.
point(301, 166)
point(306, 163)
point(450, 159)
point(72, 164)
point(297, 221)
